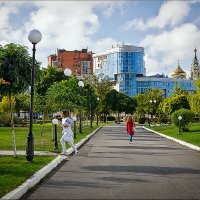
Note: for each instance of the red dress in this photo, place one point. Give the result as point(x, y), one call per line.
point(129, 127)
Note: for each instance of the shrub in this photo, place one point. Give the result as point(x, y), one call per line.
point(163, 120)
point(5, 119)
point(110, 118)
point(141, 120)
point(186, 121)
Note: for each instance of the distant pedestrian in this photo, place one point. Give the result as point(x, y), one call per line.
point(68, 135)
point(130, 127)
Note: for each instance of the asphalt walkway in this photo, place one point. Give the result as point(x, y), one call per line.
point(108, 167)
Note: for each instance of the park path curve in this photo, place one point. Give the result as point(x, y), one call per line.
point(108, 167)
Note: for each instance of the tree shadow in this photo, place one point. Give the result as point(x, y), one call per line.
point(142, 169)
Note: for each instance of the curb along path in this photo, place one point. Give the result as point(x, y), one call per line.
point(175, 140)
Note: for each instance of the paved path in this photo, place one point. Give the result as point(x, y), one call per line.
point(108, 167)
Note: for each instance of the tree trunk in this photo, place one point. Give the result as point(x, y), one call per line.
point(12, 126)
point(41, 133)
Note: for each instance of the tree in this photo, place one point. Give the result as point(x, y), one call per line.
point(101, 86)
point(118, 102)
point(177, 102)
point(48, 77)
point(194, 99)
point(143, 101)
point(15, 68)
point(178, 90)
point(63, 95)
point(22, 102)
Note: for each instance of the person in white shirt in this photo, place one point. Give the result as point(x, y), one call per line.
point(67, 134)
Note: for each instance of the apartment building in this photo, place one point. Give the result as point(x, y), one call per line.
point(79, 61)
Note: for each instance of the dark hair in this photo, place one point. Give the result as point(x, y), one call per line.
point(66, 113)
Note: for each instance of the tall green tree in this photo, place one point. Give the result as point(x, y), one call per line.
point(64, 95)
point(194, 99)
point(48, 77)
point(15, 68)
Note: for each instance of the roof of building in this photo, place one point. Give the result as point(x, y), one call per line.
point(178, 73)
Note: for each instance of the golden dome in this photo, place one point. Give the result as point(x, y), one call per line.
point(178, 73)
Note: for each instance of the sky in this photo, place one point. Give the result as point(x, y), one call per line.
point(168, 30)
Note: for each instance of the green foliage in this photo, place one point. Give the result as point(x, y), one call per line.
point(110, 118)
point(5, 119)
point(143, 101)
point(15, 68)
point(175, 102)
point(64, 95)
point(5, 104)
point(48, 77)
point(23, 102)
point(186, 121)
point(141, 120)
point(15, 170)
point(118, 102)
point(194, 101)
point(178, 90)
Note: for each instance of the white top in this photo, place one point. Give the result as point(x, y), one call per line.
point(67, 122)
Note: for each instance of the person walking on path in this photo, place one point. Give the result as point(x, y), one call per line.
point(67, 134)
point(130, 127)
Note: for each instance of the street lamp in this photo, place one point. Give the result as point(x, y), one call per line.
point(34, 37)
point(81, 85)
point(179, 120)
point(90, 109)
point(74, 119)
point(97, 111)
point(152, 102)
point(55, 122)
point(67, 72)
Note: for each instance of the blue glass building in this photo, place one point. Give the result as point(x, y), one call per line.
point(124, 65)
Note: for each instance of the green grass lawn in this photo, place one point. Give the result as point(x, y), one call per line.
point(15, 170)
point(192, 136)
point(46, 144)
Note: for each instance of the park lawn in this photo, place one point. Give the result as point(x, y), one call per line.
point(16, 170)
point(192, 136)
point(47, 142)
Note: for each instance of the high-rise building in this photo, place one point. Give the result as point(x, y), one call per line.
point(79, 61)
point(124, 65)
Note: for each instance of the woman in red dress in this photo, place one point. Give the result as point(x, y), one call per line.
point(130, 124)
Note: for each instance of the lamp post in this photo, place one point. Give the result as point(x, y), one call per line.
point(179, 121)
point(152, 102)
point(90, 109)
point(74, 119)
point(67, 72)
point(81, 85)
point(55, 122)
point(34, 37)
point(98, 111)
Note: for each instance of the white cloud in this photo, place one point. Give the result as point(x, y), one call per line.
point(170, 14)
point(63, 24)
point(103, 44)
point(171, 46)
point(110, 7)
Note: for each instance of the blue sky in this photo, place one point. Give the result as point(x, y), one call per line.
point(168, 30)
